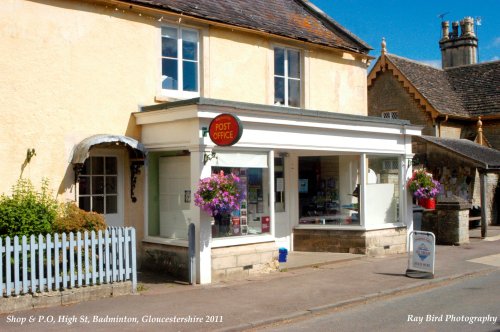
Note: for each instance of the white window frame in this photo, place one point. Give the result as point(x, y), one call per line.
point(390, 115)
point(286, 76)
point(179, 93)
point(113, 219)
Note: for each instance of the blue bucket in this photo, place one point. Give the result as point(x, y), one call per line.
point(283, 252)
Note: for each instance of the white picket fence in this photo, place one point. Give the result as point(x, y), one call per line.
point(57, 262)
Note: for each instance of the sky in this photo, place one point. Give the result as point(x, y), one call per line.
point(412, 28)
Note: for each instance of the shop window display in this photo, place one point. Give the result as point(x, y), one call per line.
point(252, 217)
point(329, 190)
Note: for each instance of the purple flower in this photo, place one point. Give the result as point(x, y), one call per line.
point(422, 185)
point(219, 194)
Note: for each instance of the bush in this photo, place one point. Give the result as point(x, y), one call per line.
point(73, 219)
point(27, 211)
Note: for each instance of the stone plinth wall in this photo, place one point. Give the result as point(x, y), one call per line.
point(173, 260)
point(64, 298)
point(453, 226)
point(237, 262)
point(450, 226)
point(429, 222)
point(370, 242)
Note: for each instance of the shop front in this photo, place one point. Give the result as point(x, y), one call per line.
point(314, 181)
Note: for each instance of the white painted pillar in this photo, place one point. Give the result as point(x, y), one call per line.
point(406, 200)
point(201, 219)
point(363, 172)
point(271, 192)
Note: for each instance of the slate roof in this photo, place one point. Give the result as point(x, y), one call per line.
point(465, 91)
point(487, 158)
point(297, 19)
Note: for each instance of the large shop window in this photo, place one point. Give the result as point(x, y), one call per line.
point(382, 190)
point(253, 217)
point(329, 190)
point(180, 64)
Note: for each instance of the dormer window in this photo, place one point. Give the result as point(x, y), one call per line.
point(180, 62)
point(287, 77)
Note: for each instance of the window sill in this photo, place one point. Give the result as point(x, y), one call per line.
point(350, 228)
point(170, 96)
point(166, 241)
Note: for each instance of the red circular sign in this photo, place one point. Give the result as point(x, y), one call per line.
point(225, 129)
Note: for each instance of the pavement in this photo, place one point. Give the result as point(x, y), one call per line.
point(319, 284)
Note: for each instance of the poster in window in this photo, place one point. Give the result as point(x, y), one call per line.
point(303, 186)
point(280, 185)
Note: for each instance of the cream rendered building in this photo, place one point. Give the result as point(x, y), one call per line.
point(115, 98)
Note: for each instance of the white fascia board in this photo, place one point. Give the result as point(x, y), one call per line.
point(307, 122)
point(270, 118)
point(413, 130)
point(167, 115)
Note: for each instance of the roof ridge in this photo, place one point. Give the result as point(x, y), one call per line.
point(484, 63)
point(414, 61)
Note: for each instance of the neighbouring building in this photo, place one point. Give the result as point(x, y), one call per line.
point(112, 101)
point(459, 109)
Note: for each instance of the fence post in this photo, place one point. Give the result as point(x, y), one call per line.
point(71, 260)
point(17, 287)
point(133, 260)
point(119, 240)
point(192, 253)
point(8, 286)
point(57, 279)
point(107, 244)
point(25, 265)
point(49, 262)
point(33, 263)
point(92, 252)
point(86, 257)
point(79, 258)
point(41, 275)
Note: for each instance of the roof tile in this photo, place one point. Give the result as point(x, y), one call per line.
point(296, 19)
point(466, 91)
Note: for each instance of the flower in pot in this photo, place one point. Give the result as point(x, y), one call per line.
point(219, 195)
point(424, 188)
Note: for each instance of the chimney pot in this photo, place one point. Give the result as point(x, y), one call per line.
point(445, 27)
point(467, 27)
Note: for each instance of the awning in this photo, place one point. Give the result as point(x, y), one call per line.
point(81, 150)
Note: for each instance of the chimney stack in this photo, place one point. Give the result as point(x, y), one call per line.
point(458, 49)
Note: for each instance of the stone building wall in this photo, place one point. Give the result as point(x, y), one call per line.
point(370, 242)
point(237, 262)
point(387, 94)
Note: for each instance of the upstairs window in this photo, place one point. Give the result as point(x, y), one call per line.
point(180, 61)
point(287, 75)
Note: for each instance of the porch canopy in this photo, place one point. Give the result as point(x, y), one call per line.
point(81, 150)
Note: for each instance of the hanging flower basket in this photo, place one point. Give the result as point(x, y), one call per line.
point(219, 195)
point(424, 188)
